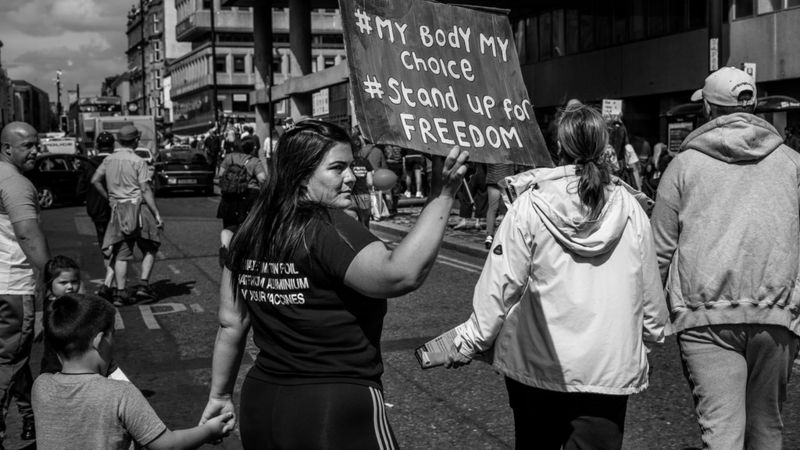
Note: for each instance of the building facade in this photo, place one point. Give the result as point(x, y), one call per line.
point(6, 95)
point(31, 105)
point(193, 74)
point(653, 54)
point(151, 48)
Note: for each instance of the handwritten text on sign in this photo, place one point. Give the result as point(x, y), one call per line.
point(429, 76)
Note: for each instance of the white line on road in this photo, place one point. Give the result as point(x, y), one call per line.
point(459, 262)
point(118, 323)
point(458, 266)
point(174, 269)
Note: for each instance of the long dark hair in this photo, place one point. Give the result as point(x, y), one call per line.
point(583, 136)
point(618, 138)
point(278, 220)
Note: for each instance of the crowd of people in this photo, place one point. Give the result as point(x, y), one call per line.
point(579, 284)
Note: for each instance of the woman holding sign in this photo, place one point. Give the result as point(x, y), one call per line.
point(312, 282)
point(570, 297)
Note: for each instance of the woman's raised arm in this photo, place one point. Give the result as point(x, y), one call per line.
point(379, 272)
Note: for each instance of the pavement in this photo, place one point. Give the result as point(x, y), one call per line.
point(468, 241)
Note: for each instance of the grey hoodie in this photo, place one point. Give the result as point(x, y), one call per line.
point(727, 226)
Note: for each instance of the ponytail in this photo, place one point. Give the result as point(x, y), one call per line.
point(583, 136)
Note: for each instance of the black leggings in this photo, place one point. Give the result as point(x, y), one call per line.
point(313, 416)
point(566, 420)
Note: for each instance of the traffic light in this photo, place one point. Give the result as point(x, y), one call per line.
point(63, 123)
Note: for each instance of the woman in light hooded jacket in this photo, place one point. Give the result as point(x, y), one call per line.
point(570, 298)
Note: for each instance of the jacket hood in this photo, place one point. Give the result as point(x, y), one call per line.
point(553, 195)
point(734, 137)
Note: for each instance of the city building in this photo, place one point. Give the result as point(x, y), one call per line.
point(651, 54)
point(6, 95)
point(236, 63)
point(118, 86)
point(151, 48)
point(31, 105)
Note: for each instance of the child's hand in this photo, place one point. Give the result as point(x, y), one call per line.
point(221, 425)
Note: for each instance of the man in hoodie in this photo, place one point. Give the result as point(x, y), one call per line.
point(727, 230)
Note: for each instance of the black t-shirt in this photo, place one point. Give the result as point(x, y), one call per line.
point(309, 326)
point(361, 166)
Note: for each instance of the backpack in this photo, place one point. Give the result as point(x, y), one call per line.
point(235, 178)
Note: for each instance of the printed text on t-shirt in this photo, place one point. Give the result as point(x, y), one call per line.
point(260, 287)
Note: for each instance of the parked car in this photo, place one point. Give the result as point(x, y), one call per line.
point(183, 168)
point(56, 178)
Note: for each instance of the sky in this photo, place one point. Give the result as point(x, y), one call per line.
point(85, 39)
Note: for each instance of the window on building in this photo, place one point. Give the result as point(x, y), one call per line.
point(602, 26)
point(156, 50)
point(656, 18)
point(238, 64)
point(677, 20)
point(276, 65)
point(792, 3)
point(742, 8)
point(619, 34)
point(330, 61)
point(240, 103)
point(767, 6)
point(557, 22)
point(531, 39)
point(637, 21)
point(586, 30)
point(157, 78)
point(156, 24)
point(545, 36)
point(697, 15)
point(571, 31)
point(220, 65)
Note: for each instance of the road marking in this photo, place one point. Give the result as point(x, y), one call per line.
point(458, 266)
point(458, 261)
point(149, 315)
point(174, 269)
point(118, 323)
point(452, 262)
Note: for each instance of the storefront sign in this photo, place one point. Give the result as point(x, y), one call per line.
point(677, 133)
point(429, 76)
point(612, 108)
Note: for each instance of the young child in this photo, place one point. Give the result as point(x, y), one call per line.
point(62, 276)
point(80, 408)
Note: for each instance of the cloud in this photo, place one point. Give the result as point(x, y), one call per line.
point(84, 38)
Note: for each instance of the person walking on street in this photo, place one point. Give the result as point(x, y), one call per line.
point(727, 231)
point(97, 206)
point(318, 319)
point(123, 178)
point(23, 257)
point(569, 299)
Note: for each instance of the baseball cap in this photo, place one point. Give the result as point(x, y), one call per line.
point(723, 87)
point(127, 133)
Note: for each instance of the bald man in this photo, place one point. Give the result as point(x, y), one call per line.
point(24, 253)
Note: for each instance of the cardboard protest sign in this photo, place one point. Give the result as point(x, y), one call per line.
point(428, 76)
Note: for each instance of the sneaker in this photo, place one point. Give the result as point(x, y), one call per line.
point(106, 292)
point(488, 242)
point(146, 292)
point(407, 194)
point(419, 194)
point(28, 430)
